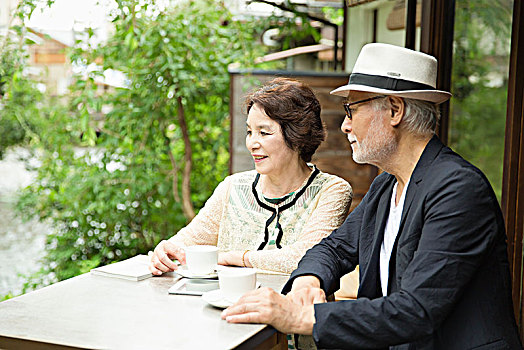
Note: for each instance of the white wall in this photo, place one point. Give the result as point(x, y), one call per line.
point(6, 9)
point(359, 29)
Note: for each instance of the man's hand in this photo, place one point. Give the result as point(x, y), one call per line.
point(161, 259)
point(306, 291)
point(307, 281)
point(307, 296)
point(264, 305)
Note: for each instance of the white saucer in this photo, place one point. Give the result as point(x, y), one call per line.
point(216, 299)
point(184, 272)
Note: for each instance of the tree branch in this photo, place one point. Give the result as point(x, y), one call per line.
point(174, 165)
point(187, 206)
point(174, 171)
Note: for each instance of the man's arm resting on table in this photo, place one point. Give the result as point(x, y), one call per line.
point(294, 313)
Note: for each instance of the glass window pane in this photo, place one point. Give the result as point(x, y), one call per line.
point(480, 84)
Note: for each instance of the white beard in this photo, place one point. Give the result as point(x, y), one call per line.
point(376, 146)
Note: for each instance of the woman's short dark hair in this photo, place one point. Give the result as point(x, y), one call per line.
point(294, 106)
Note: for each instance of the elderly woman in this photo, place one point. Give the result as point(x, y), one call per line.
point(268, 217)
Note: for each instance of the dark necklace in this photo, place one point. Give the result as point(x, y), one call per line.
point(279, 209)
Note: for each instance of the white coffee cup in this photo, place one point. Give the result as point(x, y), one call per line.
point(201, 259)
point(235, 282)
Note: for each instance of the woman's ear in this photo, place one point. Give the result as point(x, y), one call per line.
point(398, 108)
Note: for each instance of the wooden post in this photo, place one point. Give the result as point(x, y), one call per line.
point(411, 24)
point(437, 25)
point(513, 174)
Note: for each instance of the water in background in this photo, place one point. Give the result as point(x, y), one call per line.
point(21, 243)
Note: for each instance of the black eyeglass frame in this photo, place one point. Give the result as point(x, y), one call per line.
point(347, 105)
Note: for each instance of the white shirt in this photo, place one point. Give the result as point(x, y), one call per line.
point(390, 234)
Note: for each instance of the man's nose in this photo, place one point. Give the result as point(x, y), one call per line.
point(346, 126)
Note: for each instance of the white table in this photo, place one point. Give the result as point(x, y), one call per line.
point(98, 312)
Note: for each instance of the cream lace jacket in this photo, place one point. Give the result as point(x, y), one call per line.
point(238, 217)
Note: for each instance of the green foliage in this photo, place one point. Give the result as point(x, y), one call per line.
point(478, 131)
point(25, 112)
point(5, 297)
point(21, 103)
point(334, 15)
point(111, 172)
point(478, 109)
point(295, 27)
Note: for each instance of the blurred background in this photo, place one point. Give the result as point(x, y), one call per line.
point(119, 118)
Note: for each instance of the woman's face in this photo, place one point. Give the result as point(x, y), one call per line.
point(265, 142)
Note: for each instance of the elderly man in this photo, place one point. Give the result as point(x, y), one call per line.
point(429, 234)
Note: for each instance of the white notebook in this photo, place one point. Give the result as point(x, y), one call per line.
point(134, 269)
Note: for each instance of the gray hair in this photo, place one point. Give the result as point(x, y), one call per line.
point(421, 117)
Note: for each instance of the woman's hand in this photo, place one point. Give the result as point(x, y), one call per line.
point(264, 305)
point(162, 258)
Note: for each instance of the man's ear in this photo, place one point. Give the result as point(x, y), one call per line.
point(398, 108)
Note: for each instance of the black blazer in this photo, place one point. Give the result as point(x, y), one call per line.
point(449, 282)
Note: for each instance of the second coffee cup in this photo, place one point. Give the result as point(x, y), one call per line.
point(201, 259)
point(234, 282)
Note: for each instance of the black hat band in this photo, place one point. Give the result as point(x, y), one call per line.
point(387, 83)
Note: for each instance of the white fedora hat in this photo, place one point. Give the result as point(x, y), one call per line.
point(393, 70)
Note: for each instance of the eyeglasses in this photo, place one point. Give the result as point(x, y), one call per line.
point(348, 109)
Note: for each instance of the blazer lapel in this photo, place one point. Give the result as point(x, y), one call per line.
point(430, 153)
point(371, 286)
point(410, 194)
point(428, 156)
